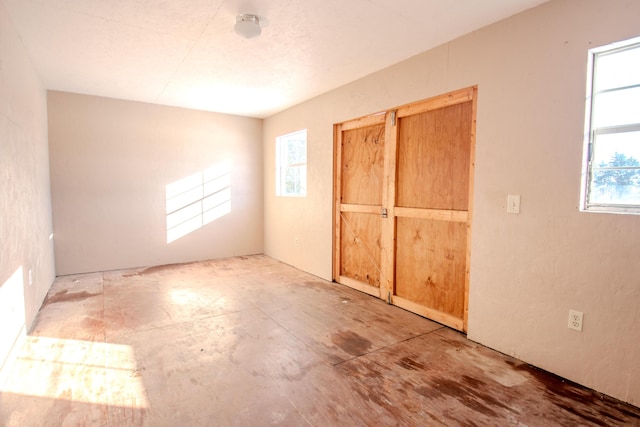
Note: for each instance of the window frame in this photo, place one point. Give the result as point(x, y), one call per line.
point(591, 132)
point(283, 165)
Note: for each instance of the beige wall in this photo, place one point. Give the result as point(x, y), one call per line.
point(25, 205)
point(527, 270)
point(111, 161)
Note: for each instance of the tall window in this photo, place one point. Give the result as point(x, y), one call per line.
point(291, 164)
point(611, 178)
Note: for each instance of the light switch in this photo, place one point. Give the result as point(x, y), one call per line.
point(513, 203)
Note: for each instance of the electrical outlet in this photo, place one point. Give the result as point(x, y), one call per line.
point(575, 320)
point(296, 241)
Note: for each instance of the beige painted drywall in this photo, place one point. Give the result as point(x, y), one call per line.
point(111, 161)
point(25, 204)
point(527, 270)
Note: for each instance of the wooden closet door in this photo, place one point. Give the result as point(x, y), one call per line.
point(434, 155)
point(402, 209)
point(360, 155)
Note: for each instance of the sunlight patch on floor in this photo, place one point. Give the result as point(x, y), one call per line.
point(78, 371)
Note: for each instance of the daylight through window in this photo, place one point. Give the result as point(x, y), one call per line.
point(611, 180)
point(291, 164)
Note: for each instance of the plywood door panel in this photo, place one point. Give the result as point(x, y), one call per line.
point(359, 165)
point(360, 247)
point(362, 165)
point(433, 159)
point(431, 263)
point(433, 198)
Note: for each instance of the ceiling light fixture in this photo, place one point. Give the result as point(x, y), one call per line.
point(247, 26)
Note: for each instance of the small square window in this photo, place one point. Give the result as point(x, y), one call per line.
point(611, 173)
point(291, 164)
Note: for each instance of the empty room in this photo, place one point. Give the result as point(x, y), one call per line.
point(373, 212)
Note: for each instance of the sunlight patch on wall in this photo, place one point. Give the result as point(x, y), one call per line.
point(197, 200)
point(78, 371)
point(12, 317)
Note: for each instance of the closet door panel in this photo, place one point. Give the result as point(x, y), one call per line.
point(362, 165)
point(360, 247)
point(433, 159)
point(430, 266)
point(358, 186)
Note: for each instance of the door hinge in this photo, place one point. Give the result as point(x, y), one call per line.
point(393, 118)
point(383, 213)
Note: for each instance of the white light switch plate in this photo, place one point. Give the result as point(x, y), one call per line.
point(513, 203)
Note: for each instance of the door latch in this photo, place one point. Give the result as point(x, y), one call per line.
point(384, 213)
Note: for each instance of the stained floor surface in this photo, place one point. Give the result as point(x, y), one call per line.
point(251, 341)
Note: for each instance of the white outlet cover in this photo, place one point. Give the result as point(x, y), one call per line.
point(575, 320)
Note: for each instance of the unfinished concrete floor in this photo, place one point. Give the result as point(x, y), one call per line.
point(251, 341)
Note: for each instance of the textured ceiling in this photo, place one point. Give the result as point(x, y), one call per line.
point(185, 53)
